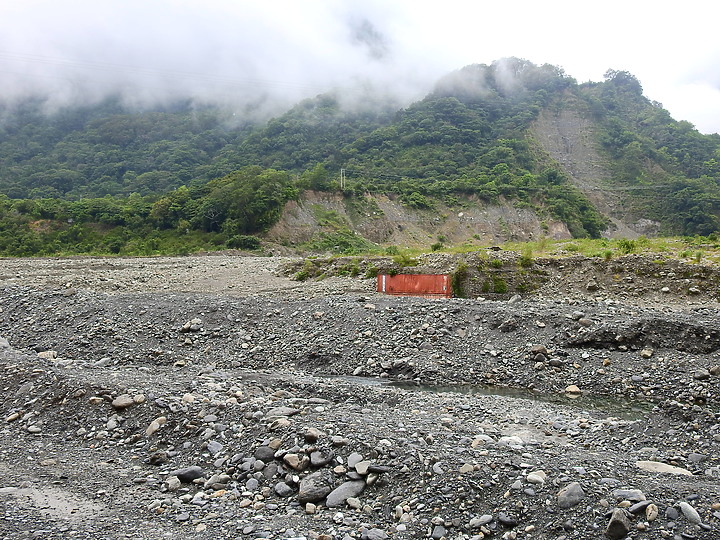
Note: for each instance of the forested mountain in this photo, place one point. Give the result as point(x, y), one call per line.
point(106, 178)
point(668, 169)
point(107, 149)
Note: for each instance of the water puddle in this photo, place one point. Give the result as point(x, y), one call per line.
point(610, 406)
point(619, 407)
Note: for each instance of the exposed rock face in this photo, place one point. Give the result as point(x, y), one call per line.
point(388, 221)
point(567, 135)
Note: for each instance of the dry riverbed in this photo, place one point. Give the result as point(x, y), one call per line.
point(214, 397)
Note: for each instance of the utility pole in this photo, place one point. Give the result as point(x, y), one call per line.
point(342, 179)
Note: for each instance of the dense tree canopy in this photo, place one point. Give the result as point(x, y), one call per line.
point(107, 150)
point(224, 212)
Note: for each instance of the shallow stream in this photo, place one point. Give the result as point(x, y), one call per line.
point(610, 406)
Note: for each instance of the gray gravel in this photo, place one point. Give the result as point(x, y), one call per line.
point(171, 408)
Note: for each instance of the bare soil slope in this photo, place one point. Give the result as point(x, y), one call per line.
point(387, 221)
point(568, 137)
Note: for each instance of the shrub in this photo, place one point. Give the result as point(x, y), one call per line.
point(352, 269)
point(499, 285)
point(371, 271)
point(404, 260)
point(627, 246)
point(308, 270)
point(417, 200)
point(242, 241)
point(543, 243)
point(458, 278)
point(526, 259)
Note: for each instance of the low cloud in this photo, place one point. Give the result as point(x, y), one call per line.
point(268, 55)
point(365, 34)
point(227, 52)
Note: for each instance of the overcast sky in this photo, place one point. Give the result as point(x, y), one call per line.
point(237, 50)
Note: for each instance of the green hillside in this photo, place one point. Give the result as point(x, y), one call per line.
point(670, 170)
point(109, 150)
point(105, 179)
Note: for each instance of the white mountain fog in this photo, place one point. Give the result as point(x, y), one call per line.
point(269, 55)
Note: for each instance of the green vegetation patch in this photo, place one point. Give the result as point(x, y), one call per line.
point(226, 212)
point(458, 278)
point(343, 241)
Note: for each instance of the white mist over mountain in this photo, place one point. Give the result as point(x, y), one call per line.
point(268, 55)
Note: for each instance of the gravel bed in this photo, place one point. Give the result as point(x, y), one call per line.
point(213, 397)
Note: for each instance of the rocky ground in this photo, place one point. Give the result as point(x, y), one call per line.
point(213, 397)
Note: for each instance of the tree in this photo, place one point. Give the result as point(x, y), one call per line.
point(624, 80)
point(252, 196)
point(316, 179)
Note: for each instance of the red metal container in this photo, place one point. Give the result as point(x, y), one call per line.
point(426, 285)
